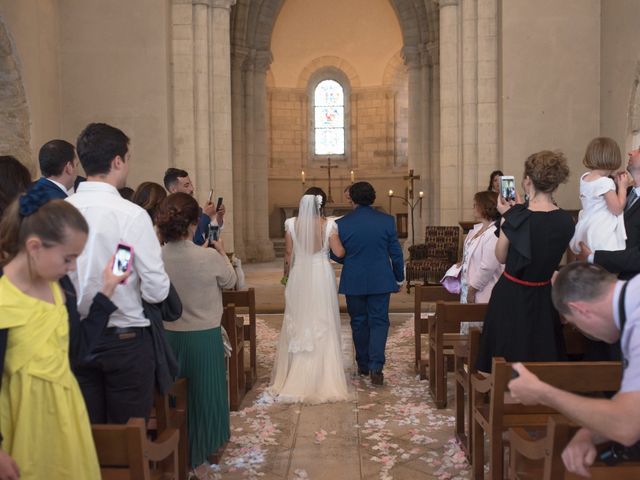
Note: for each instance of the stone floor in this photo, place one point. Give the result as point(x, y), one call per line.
point(389, 432)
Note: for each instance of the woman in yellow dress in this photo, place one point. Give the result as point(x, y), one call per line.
point(43, 419)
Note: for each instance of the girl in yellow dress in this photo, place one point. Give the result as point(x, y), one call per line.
point(43, 419)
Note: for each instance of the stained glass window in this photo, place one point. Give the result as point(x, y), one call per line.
point(329, 118)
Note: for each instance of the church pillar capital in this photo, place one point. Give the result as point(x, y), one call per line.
point(432, 53)
point(258, 61)
point(411, 56)
point(226, 4)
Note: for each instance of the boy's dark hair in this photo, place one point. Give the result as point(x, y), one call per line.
point(14, 180)
point(53, 157)
point(98, 144)
point(362, 193)
point(171, 176)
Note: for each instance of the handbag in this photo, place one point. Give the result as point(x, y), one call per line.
point(451, 279)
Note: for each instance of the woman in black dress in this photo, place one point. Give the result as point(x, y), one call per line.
point(521, 323)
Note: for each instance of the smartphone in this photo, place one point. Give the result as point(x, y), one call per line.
point(123, 259)
point(210, 195)
point(508, 187)
point(214, 233)
point(219, 204)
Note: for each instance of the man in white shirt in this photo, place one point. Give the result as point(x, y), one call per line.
point(118, 382)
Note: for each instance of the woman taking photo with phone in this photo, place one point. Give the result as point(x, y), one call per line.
point(199, 274)
point(521, 323)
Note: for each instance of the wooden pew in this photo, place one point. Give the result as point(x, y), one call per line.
point(124, 452)
point(246, 299)
point(171, 412)
point(424, 294)
point(532, 457)
point(465, 355)
point(443, 337)
point(497, 415)
point(235, 329)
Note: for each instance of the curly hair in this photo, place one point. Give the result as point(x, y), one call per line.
point(487, 203)
point(547, 170)
point(175, 215)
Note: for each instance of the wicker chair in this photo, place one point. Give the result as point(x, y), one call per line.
point(429, 261)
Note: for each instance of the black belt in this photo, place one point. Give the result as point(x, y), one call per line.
point(122, 330)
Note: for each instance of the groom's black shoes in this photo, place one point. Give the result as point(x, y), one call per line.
point(377, 378)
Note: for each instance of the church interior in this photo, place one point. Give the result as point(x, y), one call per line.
point(261, 99)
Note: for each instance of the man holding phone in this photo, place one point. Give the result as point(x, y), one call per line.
point(118, 382)
point(176, 180)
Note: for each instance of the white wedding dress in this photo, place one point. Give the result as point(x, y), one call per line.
point(309, 365)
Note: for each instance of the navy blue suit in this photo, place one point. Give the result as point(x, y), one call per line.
point(51, 189)
point(372, 267)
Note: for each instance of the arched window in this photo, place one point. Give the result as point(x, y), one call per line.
point(329, 118)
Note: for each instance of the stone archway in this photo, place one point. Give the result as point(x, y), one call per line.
point(14, 110)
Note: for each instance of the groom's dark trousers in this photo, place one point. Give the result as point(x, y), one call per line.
point(372, 268)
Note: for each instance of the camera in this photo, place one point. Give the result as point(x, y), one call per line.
point(214, 233)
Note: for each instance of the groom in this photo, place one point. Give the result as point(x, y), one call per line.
point(373, 268)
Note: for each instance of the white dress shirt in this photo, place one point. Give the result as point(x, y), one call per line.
point(113, 220)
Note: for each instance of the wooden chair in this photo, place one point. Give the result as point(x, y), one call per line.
point(465, 355)
point(429, 261)
point(171, 412)
point(444, 335)
point(424, 294)
point(497, 415)
point(124, 452)
point(532, 457)
point(246, 299)
point(235, 329)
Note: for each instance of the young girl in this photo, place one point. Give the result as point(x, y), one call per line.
point(43, 418)
point(601, 224)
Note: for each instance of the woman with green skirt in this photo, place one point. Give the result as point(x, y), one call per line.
point(199, 274)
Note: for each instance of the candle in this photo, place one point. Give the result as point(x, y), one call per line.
point(390, 192)
point(421, 194)
point(302, 174)
point(352, 176)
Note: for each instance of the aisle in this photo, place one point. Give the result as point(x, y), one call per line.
point(392, 432)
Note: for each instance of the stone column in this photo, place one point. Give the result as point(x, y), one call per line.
point(259, 167)
point(239, 152)
point(411, 56)
point(433, 184)
point(221, 171)
point(488, 157)
point(469, 82)
point(201, 177)
point(250, 209)
point(182, 56)
point(450, 171)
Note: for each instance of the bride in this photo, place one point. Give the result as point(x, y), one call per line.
point(309, 365)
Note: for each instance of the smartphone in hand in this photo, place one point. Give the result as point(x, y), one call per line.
point(508, 187)
point(210, 196)
point(219, 204)
point(122, 260)
point(214, 233)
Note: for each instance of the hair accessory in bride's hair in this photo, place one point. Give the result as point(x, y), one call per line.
point(319, 201)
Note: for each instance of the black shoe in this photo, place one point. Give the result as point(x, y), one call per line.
point(363, 373)
point(377, 378)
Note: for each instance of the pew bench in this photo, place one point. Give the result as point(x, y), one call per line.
point(501, 412)
point(245, 301)
point(533, 457)
point(444, 336)
point(425, 294)
point(465, 355)
point(125, 452)
point(234, 327)
point(170, 412)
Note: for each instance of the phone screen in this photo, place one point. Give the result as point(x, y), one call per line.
point(121, 261)
point(219, 204)
point(214, 232)
point(508, 188)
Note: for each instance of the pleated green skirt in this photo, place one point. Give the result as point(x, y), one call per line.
point(200, 356)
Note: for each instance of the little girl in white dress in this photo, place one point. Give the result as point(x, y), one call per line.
point(601, 221)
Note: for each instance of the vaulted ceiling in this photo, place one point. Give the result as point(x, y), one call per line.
point(252, 22)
